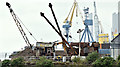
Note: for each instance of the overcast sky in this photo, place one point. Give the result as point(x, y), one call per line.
point(29, 12)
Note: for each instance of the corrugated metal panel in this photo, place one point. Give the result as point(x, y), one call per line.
point(104, 51)
point(106, 46)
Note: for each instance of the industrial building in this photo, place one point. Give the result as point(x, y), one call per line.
point(115, 43)
point(116, 22)
point(119, 17)
point(115, 47)
point(103, 38)
point(104, 45)
point(114, 25)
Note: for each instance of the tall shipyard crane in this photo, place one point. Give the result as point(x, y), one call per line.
point(18, 23)
point(96, 24)
point(68, 24)
point(68, 49)
point(87, 22)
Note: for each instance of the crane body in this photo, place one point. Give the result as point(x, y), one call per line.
point(68, 24)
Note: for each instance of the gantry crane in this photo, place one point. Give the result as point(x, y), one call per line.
point(17, 21)
point(68, 49)
point(68, 24)
point(87, 22)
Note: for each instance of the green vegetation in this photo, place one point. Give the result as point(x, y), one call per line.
point(118, 57)
point(79, 61)
point(18, 62)
point(118, 63)
point(92, 57)
point(76, 59)
point(92, 60)
point(43, 62)
point(104, 62)
point(6, 63)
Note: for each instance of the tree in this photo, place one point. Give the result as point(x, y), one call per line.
point(18, 62)
point(118, 58)
point(118, 63)
point(104, 62)
point(6, 63)
point(79, 61)
point(43, 62)
point(92, 57)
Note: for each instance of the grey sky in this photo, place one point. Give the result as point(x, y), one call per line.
point(29, 12)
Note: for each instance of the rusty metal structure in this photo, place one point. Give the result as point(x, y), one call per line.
point(69, 50)
point(85, 47)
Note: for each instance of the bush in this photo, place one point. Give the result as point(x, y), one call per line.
point(92, 57)
point(104, 62)
point(6, 63)
point(18, 62)
point(43, 62)
point(79, 61)
point(76, 60)
point(118, 57)
point(118, 63)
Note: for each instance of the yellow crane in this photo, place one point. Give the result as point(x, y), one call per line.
point(68, 24)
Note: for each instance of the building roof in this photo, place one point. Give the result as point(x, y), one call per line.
point(117, 37)
point(44, 44)
point(84, 44)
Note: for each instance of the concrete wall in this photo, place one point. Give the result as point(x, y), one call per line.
point(115, 50)
point(115, 53)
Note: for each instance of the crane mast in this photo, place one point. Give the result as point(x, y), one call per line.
point(68, 24)
point(96, 24)
point(18, 25)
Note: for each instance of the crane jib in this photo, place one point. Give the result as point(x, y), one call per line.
point(18, 25)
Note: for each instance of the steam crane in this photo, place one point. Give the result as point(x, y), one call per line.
point(17, 21)
point(66, 49)
point(68, 24)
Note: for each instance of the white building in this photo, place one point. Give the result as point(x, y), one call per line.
point(114, 24)
point(119, 17)
point(115, 43)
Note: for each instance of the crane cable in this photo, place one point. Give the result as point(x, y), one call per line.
point(81, 14)
point(101, 27)
point(26, 28)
